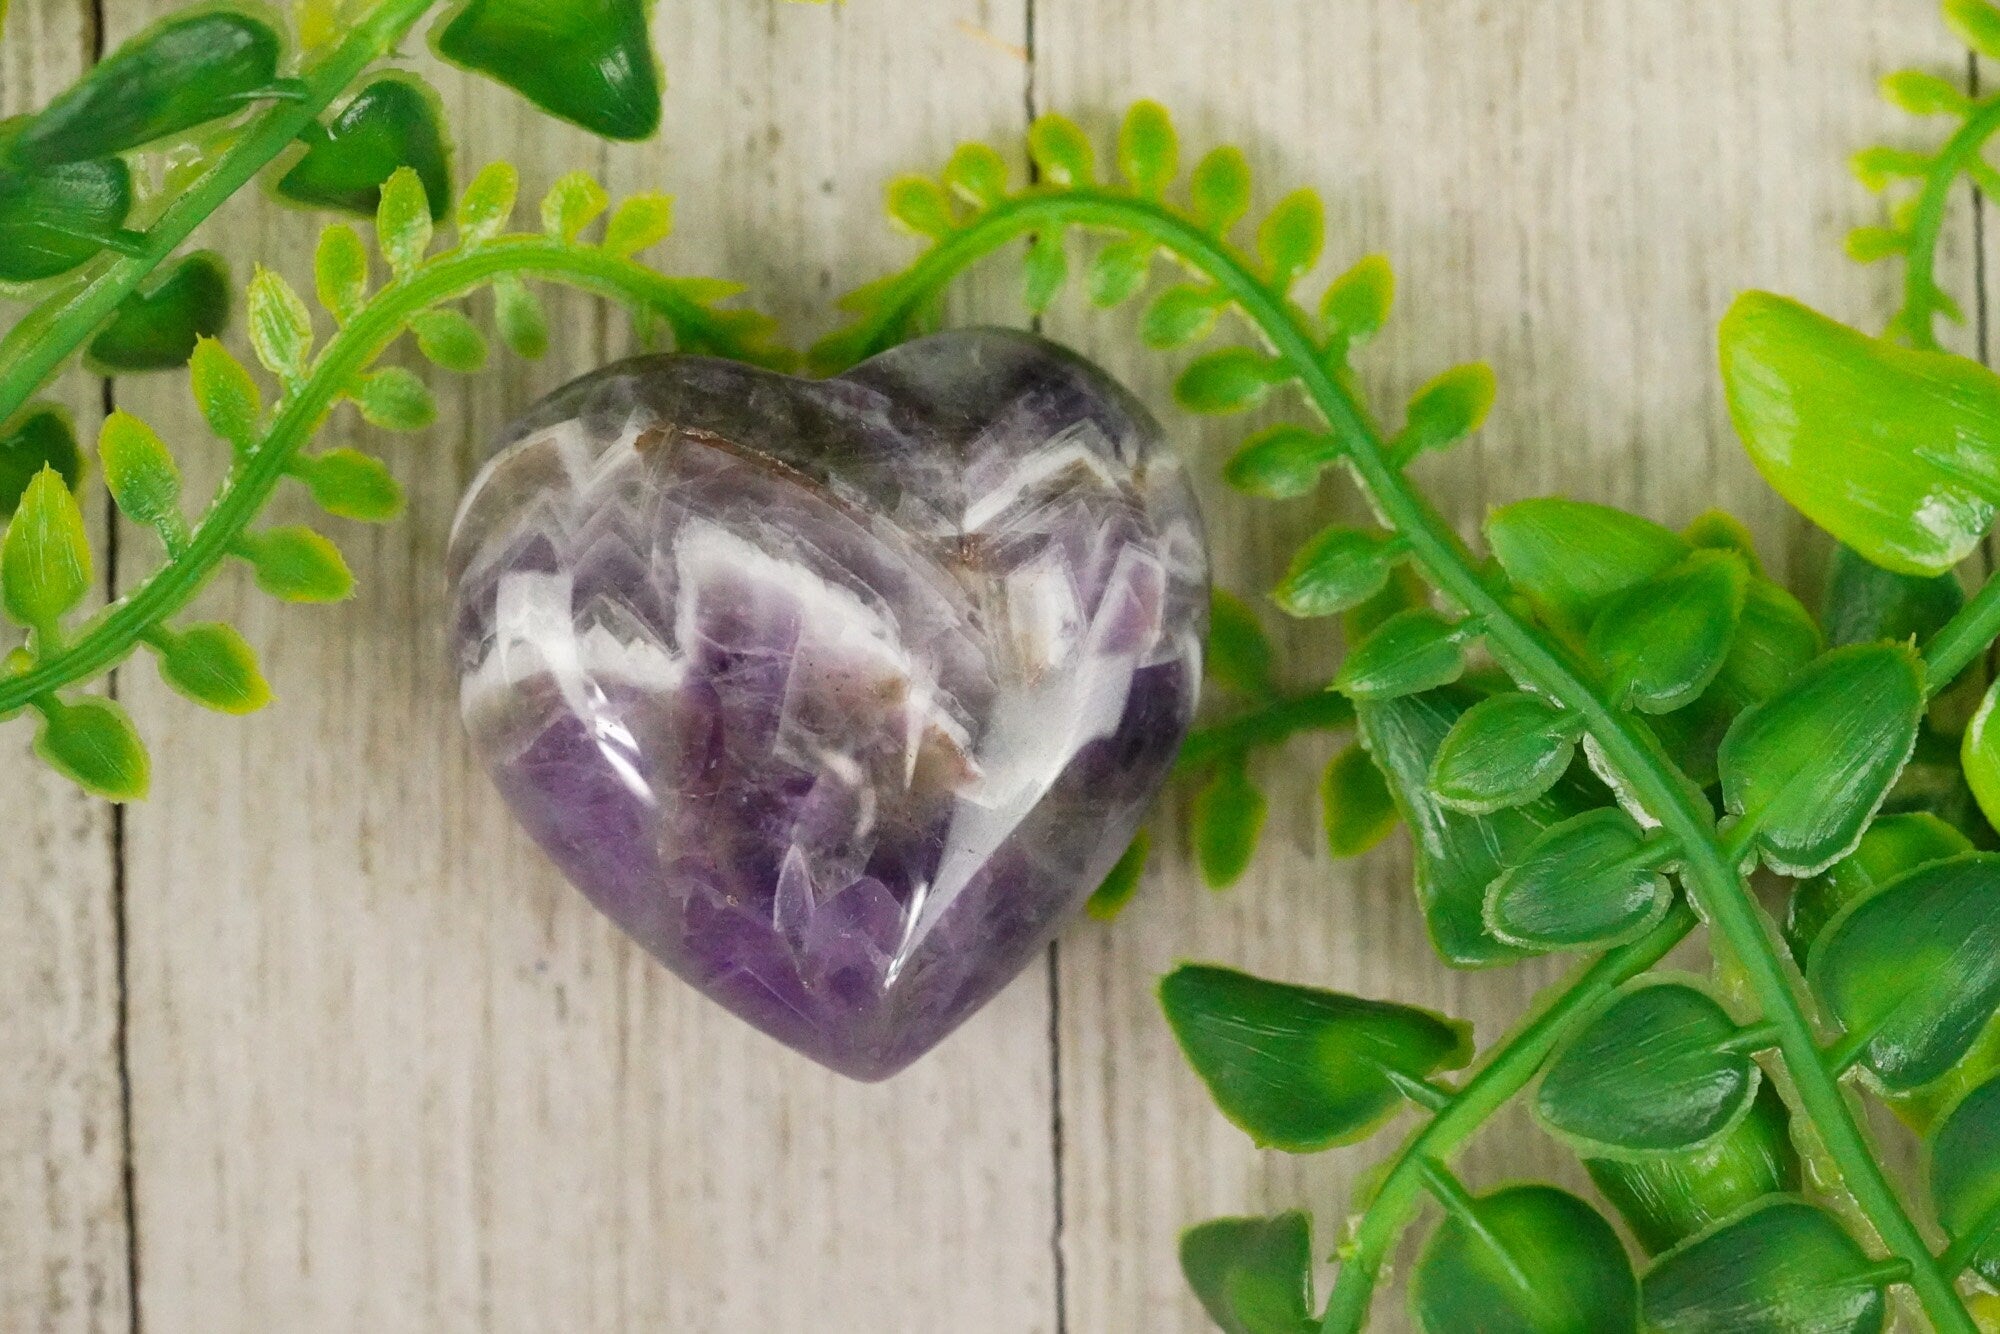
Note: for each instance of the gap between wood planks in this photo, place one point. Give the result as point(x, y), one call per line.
point(120, 932)
point(1060, 1277)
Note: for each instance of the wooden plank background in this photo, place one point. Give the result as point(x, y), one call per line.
point(314, 1040)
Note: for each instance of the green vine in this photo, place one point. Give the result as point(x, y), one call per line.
point(41, 341)
point(1584, 691)
point(218, 93)
point(269, 451)
point(1595, 734)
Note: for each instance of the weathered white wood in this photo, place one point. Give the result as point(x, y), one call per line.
point(389, 1072)
point(62, 1141)
point(1572, 191)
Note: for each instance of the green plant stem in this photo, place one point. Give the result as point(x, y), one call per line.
point(1927, 225)
point(1625, 744)
point(108, 639)
point(1964, 637)
point(50, 333)
point(1507, 1068)
point(1320, 711)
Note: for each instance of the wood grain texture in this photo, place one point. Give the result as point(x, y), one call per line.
point(389, 1073)
point(62, 1124)
point(1572, 191)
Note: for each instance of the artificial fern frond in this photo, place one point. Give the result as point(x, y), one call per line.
point(1591, 633)
point(46, 571)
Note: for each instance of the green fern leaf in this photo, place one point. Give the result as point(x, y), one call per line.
point(487, 204)
point(403, 221)
point(573, 203)
point(1061, 150)
point(280, 326)
point(340, 272)
point(1148, 149)
point(228, 398)
point(1220, 190)
point(977, 174)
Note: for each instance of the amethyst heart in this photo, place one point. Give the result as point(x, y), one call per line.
point(838, 696)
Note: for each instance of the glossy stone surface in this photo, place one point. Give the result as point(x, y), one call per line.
point(838, 696)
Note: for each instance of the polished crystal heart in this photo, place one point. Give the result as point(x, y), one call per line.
point(839, 696)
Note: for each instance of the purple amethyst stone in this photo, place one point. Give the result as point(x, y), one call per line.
point(839, 696)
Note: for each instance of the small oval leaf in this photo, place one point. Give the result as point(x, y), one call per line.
point(517, 314)
point(177, 74)
point(1571, 559)
point(1119, 271)
point(1668, 1197)
point(1808, 768)
point(977, 174)
point(1301, 1069)
point(1282, 462)
point(920, 206)
point(1915, 967)
point(1924, 94)
point(280, 326)
point(589, 62)
point(1588, 881)
point(1338, 568)
point(296, 564)
point(1782, 1265)
point(1061, 150)
point(93, 744)
point(1239, 653)
point(1358, 302)
point(395, 121)
point(1965, 1175)
point(1505, 751)
point(1528, 1260)
point(1654, 1071)
point(157, 329)
point(1847, 428)
point(395, 399)
point(228, 398)
point(1413, 650)
point(340, 272)
point(139, 471)
point(1252, 1275)
point(45, 569)
point(639, 223)
point(1290, 237)
point(1976, 23)
point(1224, 823)
point(1662, 642)
point(1229, 380)
point(1448, 409)
point(1220, 189)
point(352, 485)
point(211, 665)
point(487, 205)
point(1148, 149)
point(1044, 271)
point(1356, 808)
point(1180, 315)
point(403, 222)
point(450, 340)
